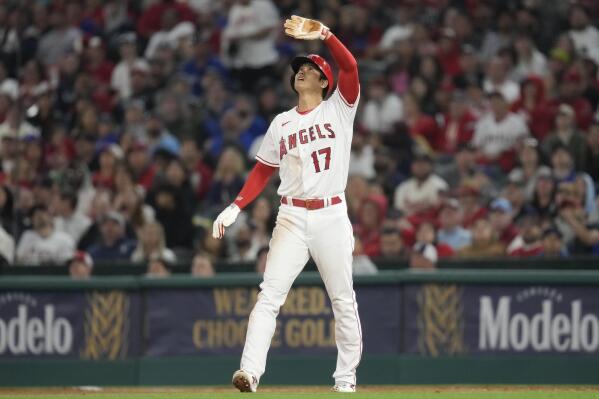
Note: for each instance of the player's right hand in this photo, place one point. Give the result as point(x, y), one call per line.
point(305, 29)
point(224, 219)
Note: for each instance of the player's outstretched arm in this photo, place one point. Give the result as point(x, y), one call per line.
point(310, 29)
point(255, 183)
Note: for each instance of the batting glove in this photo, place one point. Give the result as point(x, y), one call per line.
point(305, 29)
point(225, 219)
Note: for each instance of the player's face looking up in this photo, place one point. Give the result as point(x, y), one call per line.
point(309, 79)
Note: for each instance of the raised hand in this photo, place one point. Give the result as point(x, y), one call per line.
point(305, 29)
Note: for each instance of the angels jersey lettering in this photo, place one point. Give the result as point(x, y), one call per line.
point(311, 149)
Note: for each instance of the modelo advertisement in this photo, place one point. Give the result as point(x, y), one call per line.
point(214, 321)
point(79, 324)
point(444, 320)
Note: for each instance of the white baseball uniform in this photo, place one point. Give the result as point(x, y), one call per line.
point(312, 152)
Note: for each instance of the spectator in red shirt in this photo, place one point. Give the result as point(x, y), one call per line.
point(533, 106)
point(200, 174)
point(423, 128)
point(458, 125)
point(529, 242)
point(570, 89)
point(370, 218)
point(151, 19)
point(139, 160)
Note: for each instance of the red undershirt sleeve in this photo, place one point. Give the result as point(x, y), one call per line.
point(349, 84)
point(254, 184)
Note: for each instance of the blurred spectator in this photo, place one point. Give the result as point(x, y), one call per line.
point(501, 218)
point(472, 204)
point(7, 247)
point(458, 125)
point(529, 166)
point(67, 218)
point(450, 230)
point(80, 266)
point(261, 260)
point(201, 266)
point(485, 242)
point(361, 263)
point(514, 192)
point(382, 109)
point(570, 92)
point(43, 244)
point(532, 105)
point(552, 244)
point(113, 244)
point(529, 60)
point(370, 218)
point(567, 135)
point(544, 194)
point(151, 242)
point(420, 193)
point(424, 253)
point(423, 128)
point(121, 74)
point(528, 243)
point(200, 175)
point(586, 234)
point(174, 214)
point(498, 132)
point(262, 222)
point(392, 245)
point(497, 81)
point(362, 157)
point(584, 35)
point(59, 41)
point(592, 156)
point(248, 41)
point(244, 248)
point(228, 179)
point(159, 267)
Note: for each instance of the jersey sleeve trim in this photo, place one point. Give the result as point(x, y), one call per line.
point(274, 165)
point(347, 102)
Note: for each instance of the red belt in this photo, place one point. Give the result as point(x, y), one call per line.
point(311, 204)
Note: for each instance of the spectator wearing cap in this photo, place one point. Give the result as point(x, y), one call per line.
point(553, 246)
point(528, 243)
point(568, 135)
point(113, 244)
point(498, 132)
point(458, 125)
point(151, 243)
point(248, 41)
point(497, 81)
point(420, 193)
point(501, 218)
point(383, 109)
point(471, 200)
point(514, 192)
point(159, 267)
point(533, 106)
point(43, 244)
point(485, 242)
point(592, 156)
point(201, 266)
point(67, 218)
point(450, 230)
point(80, 266)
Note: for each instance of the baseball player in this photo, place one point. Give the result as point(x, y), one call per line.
point(310, 144)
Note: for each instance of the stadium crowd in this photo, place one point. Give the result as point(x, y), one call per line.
point(126, 126)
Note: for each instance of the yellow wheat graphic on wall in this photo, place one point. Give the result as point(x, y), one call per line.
point(440, 321)
point(105, 325)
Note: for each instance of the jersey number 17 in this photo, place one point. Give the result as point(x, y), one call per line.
point(327, 158)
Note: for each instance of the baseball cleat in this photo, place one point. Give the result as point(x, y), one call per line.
point(244, 381)
point(344, 387)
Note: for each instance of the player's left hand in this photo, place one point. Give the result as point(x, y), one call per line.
point(224, 219)
point(305, 29)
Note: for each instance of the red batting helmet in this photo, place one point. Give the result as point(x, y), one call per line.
point(320, 63)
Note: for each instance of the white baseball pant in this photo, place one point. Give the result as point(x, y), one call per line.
point(325, 234)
